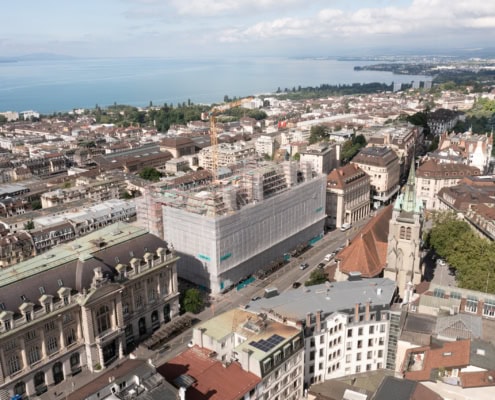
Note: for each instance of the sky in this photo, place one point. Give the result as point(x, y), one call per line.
point(235, 28)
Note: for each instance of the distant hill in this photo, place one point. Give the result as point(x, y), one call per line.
point(36, 57)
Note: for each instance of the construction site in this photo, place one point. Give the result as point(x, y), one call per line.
point(227, 231)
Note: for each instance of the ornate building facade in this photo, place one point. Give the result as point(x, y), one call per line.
point(83, 305)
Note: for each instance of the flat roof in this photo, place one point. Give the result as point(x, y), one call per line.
point(327, 297)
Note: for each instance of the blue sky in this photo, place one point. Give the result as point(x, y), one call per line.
point(223, 28)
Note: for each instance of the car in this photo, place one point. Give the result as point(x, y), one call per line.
point(321, 265)
point(329, 256)
point(190, 344)
point(303, 266)
point(442, 262)
point(295, 285)
point(255, 298)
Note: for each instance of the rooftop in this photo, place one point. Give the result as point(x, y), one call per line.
point(327, 297)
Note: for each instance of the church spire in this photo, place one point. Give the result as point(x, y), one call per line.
point(409, 200)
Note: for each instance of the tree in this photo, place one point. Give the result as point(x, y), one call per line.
point(29, 225)
point(193, 301)
point(3, 119)
point(317, 133)
point(150, 174)
point(316, 277)
point(36, 204)
point(296, 156)
point(471, 256)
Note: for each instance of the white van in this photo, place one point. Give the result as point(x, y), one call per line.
point(328, 257)
point(345, 227)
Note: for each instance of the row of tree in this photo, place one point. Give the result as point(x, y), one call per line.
point(472, 257)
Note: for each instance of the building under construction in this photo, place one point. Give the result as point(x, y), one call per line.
point(229, 231)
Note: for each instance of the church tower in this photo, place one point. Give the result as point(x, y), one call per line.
point(403, 256)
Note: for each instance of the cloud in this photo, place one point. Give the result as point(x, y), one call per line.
point(219, 7)
point(421, 16)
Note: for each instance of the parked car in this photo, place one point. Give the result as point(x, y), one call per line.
point(303, 266)
point(295, 285)
point(321, 265)
point(255, 298)
point(329, 256)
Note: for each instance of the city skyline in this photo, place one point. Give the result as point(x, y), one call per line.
point(223, 28)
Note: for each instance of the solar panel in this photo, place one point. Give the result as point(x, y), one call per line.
point(268, 344)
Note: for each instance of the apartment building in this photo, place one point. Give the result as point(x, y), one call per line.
point(346, 325)
point(348, 196)
point(474, 199)
point(323, 157)
point(266, 348)
point(82, 306)
point(382, 166)
point(432, 176)
point(96, 190)
point(227, 154)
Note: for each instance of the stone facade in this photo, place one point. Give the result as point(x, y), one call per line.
point(83, 309)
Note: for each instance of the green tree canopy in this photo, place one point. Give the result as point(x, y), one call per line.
point(317, 133)
point(470, 255)
point(316, 277)
point(193, 301)
point(150, 174)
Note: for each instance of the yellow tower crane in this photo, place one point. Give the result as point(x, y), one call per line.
point(215, 111)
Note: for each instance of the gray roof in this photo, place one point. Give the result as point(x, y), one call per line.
point(459, 326)
point(420, 323)
point(482, 354)
point(395, 389)
point(328, 297)
point(72, 264)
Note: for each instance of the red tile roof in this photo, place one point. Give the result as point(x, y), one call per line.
point(450, 355)
point(367, 253)
point(213, 381)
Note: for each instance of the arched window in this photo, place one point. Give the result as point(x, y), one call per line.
point(103, 319)
point(166, 313)
point(20, 388)
point(402, 232)
point(58, 373)
point(39, 379)
point(13, 364)
point(408, 233)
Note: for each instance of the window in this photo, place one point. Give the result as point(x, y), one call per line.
point(49, 326)
point(13, 364)
point(372, 329)
point(455, 295)
point(125, 308)
point(48, 307)
point(67, 317)
point(348, 358)
point(369, 355)
point(360, 331)
point(408, 233)
point(402, 234)
point(30, 335)
point(33, 355)
point(380, 353)
point(472, 304)
point(139, 301)
point(52, 344)
point(7, 325)
point(103, 319)
point(358, 369)
point(60, 282)
point(489, 308)
point(358, 357)
point(349, 332)
point(70, 336)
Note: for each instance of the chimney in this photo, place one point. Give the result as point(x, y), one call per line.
point(356, 312)
point(308, 320)
point(367, 315)
point(135, 265)
point(318, 321)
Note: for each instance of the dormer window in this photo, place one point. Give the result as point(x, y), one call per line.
point(48, 307)
point(7, 324)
